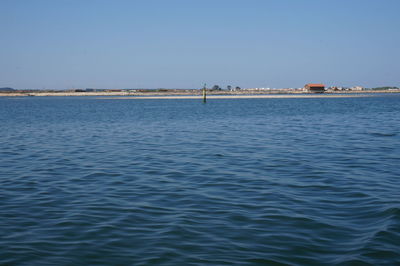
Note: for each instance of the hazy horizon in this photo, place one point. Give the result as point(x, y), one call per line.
point(184, 44)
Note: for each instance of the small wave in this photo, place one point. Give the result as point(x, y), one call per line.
point(100, 174)
point(382, 134)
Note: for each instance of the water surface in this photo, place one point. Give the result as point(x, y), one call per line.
point(88, 181)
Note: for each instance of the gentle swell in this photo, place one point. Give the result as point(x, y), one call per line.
point(249, 182)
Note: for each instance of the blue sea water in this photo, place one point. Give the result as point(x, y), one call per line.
point(88, 181)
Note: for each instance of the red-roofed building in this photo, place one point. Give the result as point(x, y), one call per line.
point(312, 87)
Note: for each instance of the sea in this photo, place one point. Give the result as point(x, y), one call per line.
point(110, 181)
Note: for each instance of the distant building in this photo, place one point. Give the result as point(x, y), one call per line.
point(311, 87)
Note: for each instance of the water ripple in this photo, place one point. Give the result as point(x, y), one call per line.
point(249, 182)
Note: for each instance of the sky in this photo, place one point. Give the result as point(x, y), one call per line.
point(64, 44)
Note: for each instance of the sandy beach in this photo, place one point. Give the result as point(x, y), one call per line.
point(237, 97)
point(197, 94)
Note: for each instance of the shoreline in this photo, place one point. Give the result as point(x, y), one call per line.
point(198, 94)
point(196, 97)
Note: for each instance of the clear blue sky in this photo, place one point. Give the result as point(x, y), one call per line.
point(60, 44)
